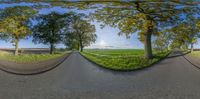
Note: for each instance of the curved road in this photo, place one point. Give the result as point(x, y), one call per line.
point(77, 78)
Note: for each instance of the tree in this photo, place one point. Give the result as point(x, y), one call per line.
point(49, 29)
point(81, 34)
point(193, 41)
point(185, 33)
point(14, 26)
point(193, 31)
point(163, 40)
point(132, 16)
point(141, 16)
point(70, 41)
point(198, 24)
point(145, 17)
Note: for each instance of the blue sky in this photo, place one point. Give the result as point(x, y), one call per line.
point(106, 37)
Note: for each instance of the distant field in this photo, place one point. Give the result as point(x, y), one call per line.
point(122, 59)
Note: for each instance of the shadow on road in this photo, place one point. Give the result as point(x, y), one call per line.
point(177, 54)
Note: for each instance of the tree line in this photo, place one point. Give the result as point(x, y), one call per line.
point(175, 20)
point(71, 29)
point(174, 23)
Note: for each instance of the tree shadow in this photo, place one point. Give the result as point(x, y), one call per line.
point(177, 54)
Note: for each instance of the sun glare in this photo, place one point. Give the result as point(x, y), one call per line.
point(102, 43)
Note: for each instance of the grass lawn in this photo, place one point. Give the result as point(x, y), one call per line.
point(116, 52)
point(28, 58)
point(122, 59)
point(195, 54)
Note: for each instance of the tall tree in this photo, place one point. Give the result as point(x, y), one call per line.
point(193, 31)
point(70, 41)
point(81, 33)
point(14, 24)
point(162, 41)
point(186, 32)
point(143, 17)
point(49, 29)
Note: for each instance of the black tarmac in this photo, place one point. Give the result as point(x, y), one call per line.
point(77, 78)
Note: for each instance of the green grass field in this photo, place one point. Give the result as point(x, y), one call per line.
point(28, 58)
point(116, 52)
point(122, 59)
point(195, 54)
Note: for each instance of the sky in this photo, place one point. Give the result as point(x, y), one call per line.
point(106, 38)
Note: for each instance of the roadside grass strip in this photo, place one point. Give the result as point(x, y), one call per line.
point(123, 62)
point(29, 58)
point(195, 54)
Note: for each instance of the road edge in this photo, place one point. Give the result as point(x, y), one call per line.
point(42, 70)
point(192, 62)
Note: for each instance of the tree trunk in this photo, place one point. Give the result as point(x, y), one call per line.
point(147, 45)
point(78, 47)
point(51, 48)
point(192, 47)
point(16, 47)
point(81, 47)
point(81, 44)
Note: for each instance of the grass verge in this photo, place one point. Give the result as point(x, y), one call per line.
point(123, 62)
point(195, 54)
point(29, 58)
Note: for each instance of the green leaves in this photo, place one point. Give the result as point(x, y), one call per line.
point(13, 24)
point(185, 33)
point(18, 11)
point(48, 30)
point(198, 24)
point(80, 33)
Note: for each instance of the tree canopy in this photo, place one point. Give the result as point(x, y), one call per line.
point(49, 29)
point(81, 32)
point(185, 33)
point(147, 18)
point(143, 17)
point(13, 24)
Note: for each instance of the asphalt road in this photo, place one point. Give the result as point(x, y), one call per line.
point(77, 78)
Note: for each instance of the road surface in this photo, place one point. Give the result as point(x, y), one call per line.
point(77, 78)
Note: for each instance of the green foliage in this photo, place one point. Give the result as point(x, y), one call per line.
point(163, 40)
point(198, 24)
point(122, 59)
point(70, 41)
point(49, 29)
point(17, 11)
point(185, 33)
point(13, 25)
point(142, 17)
point(80, 33)
point(139, 16)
